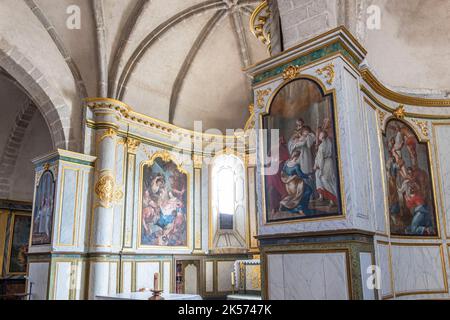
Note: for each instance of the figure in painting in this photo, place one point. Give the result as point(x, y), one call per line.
point(43, 210)
point(325, 170)
point(164, 205)
point(298, 187)
point(307, 184)
point(19, 245)
point(410, 196)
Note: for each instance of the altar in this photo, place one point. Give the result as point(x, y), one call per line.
point(147, 296)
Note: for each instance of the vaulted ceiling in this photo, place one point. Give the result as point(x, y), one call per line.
point(175, 60)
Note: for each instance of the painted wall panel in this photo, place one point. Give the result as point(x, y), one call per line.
point(224, 270)
point(145, 272)
point(366, 263)
point(69, 208)
point(62, 281)
point(418, 269)
point(308, 276)
point(38, 274)
point(209, 276)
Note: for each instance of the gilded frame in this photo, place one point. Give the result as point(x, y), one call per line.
point(166, 157)
point(335, 109)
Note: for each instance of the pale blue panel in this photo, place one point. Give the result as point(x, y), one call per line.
point(69, 208)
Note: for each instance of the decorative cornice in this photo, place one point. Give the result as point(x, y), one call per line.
point(383, 91)
point(385, 107)
point(336, 41)
point(160, 126)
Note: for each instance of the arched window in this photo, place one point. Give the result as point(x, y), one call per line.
point(228, 192)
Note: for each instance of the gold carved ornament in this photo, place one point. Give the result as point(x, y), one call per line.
point(381, 116)
point(261, 97)
point(328, 72)
point(251, 108)
point(259, 26)
point(197, 160)
point(291, 72)
point(252, 119)
point(400, 112)
point(256, 277)
point(107, 191)
point(423, 125)
point(133, 145)
point(109, 133)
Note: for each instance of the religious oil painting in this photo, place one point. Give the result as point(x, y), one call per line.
point(410, 194)
point(43, 210)
point(19, 244)
point(305, 183)
point(164, 219)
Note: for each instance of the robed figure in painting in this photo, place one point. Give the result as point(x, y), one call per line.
point(43, 210)
point(410, 196)
point(306, 184)
point(164, 205)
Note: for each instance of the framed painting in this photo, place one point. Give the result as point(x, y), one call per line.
point(411, 202)
point(18, 248)
point(304, 179)
point(164, 218)
point(43, 210)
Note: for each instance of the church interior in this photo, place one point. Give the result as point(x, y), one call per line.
point(224, 149)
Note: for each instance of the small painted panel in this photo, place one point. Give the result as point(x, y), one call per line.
point(409, 183)
point(43, 210)
point(19, 245)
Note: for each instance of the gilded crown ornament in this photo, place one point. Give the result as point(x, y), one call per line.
point(291, 72)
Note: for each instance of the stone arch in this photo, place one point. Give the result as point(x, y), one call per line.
point(46, 99)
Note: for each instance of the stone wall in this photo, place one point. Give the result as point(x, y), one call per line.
point(303, 19)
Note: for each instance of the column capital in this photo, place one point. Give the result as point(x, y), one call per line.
point(107, 112)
